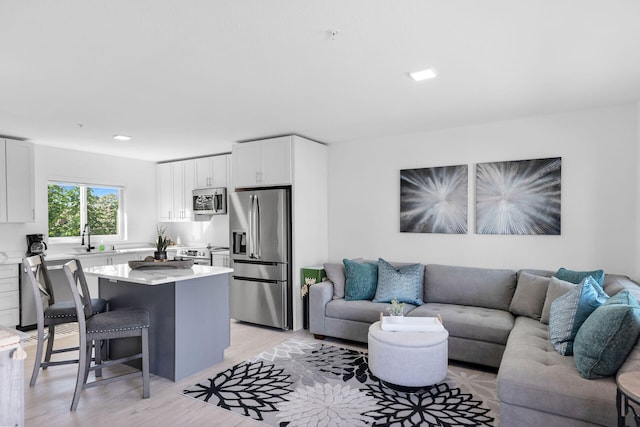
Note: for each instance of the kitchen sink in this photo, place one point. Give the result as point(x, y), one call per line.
point(82, 250)
point(94, 252)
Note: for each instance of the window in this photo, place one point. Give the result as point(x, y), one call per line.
point(72, 205)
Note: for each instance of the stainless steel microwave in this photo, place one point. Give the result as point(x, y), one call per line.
point(210, 201)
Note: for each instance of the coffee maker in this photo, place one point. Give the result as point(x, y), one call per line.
point(36, 244)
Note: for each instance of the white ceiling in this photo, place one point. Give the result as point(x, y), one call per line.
point(188, 78)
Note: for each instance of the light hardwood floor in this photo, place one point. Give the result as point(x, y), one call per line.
point(121, 403)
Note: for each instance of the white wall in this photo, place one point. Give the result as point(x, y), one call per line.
point(138, 178)
point(200, 233)
point(637, 178)
point(599, 192)
point(310, 223)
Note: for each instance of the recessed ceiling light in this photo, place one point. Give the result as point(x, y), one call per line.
point(418, 76)
point(121, 137)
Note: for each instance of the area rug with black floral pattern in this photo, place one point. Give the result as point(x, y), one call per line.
point(306, 383)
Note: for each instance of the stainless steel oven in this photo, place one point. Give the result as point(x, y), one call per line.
point(200, 255)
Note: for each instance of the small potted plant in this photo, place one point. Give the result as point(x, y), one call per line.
point(396, 309)
point(161, 244)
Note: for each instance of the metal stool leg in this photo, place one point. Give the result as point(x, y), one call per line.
point(38, 360)
point(51, 337)
point(145, 363)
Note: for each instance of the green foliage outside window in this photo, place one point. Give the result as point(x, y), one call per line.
point(66, 205)
point(102, 212)
point(64, 211)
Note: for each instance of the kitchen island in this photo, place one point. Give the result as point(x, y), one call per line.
point(189, 311)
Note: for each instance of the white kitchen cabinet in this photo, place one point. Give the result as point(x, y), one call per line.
point(221, 166)
point(178, 190)
point(17, 182)
point(176, 181)
point(165, 192)
point(211, 171)
point(262, 163)
point(9, 295)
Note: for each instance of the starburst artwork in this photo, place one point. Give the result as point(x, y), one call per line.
point(518, 197)
point(434, 200)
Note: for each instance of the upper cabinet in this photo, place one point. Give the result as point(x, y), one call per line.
point(165, 192)
point(17, 182)
point(211, 171)
point(266, 162)
point(176, 181)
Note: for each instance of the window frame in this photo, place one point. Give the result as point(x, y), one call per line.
point(83, 211)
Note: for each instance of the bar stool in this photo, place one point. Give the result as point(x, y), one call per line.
point(100, 327)
point(50, 313)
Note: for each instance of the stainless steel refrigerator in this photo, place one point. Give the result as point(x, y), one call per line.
point(260, 240)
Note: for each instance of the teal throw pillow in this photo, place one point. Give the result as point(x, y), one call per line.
point(569, 312)
point(403, 283)
point(578, 276)
point(623, 297)
point(607, 337)
point(362, 279)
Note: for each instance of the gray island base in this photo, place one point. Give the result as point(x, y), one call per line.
point(189, 312)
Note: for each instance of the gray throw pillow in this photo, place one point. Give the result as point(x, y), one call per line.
point(531, 292)
point(335, 273)
point(556, 289)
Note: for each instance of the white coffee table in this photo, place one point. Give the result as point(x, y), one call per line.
point(408, 358)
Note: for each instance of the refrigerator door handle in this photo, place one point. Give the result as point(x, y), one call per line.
point(257, 230)
point(250, 228)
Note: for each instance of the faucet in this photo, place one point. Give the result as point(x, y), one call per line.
point(87, 230)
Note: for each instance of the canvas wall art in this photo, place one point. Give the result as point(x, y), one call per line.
point(434, 200)
point(518, 197)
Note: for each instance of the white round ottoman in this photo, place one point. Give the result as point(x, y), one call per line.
point(408, 359)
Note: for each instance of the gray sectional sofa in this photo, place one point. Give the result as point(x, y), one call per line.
point(491, 324)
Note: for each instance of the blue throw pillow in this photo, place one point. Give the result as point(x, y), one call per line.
point(607, 337)
point(362, 279)
point(403, 283)
point(569, 312)
point(578, 276)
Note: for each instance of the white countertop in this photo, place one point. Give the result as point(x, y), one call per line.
point(7, 259)
point(155, 276)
